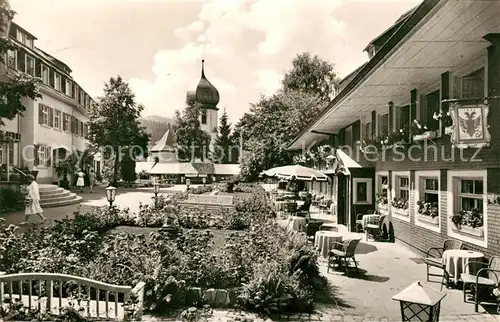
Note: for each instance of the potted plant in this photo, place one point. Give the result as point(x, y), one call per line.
point(400, 205)
point(446, 121)
point(469, 222)
point(421, 132)
point(397, 138)
point(428, 212)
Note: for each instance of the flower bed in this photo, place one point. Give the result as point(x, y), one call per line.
point(272, 269)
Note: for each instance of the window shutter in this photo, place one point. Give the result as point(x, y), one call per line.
point(51, 117)
point(21, 60)
point(342, 137)
point(40, 114)
point(48, 156)
point(391, 117)
point(374, 124)
point(51, 77)
point(38, 69)
point(37, 159)
point(63, 85)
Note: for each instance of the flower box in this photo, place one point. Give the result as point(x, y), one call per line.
point(448, 130)
point(467, 230)
point(425, 136)
point(428, 219)
point(382, 205)
point(401, 212)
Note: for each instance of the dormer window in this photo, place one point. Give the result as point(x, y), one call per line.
point(20, 36)
point(45, 74)
point(57, 81)
point(29, 42)
point(69, 88)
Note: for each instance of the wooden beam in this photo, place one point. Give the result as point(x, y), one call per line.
point(322, 133)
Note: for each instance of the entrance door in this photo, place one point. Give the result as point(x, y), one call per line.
point(341, 200)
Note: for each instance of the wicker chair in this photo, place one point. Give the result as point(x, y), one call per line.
point(433, 257)
point(375, 228)
point(492, 281)
point(359, 222)
point(345, 250)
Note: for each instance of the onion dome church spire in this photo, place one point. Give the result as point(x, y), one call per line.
point(206, 93)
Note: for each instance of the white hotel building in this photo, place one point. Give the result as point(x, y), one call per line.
point(52, 125)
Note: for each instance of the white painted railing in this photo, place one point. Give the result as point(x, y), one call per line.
point(40, 294)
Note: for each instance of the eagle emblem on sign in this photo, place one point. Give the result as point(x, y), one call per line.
point(471, 124)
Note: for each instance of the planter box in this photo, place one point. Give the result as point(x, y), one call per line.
point(448, 130)
point(429, 220)
point(382, 206)
point(476, 232)
point(425, 136)
point(400, 212)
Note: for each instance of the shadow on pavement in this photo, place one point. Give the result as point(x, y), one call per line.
point(365, 248)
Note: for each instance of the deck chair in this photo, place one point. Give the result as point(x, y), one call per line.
point(433, 257)
point(343, 251)
point(491, 279)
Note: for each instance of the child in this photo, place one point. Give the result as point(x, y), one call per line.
point(80, 182)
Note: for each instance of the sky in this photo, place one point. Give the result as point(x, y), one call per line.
point(157, 45)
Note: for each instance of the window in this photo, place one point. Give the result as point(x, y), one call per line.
point(66, 120)
point(30, 65)
point(20, 36)
point(69, 88)
point(400, 194)
point(427, 208)
point(472, 85)
point(57, 81)
point(57, 119)
point(42, 155)
point(203, 116)
point(82, 95)
point(382, 194)
point(45, 72)
point(362, 191)
point(77, 93)
point(29, 42)
point(468, 206)
point(80, 128)
point(43, 114)
point(383, 124)
point(12, 58)
point(368, 131)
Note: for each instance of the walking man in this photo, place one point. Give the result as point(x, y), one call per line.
point(33, 201)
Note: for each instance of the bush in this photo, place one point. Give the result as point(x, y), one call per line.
point(10, 199)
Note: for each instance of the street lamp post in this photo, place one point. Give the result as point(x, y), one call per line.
point(419, 302)
point(111, 195)
point(156, 190)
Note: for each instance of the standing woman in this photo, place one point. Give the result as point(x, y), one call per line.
point(32, 201)
point(92, 179)
point(80, 182)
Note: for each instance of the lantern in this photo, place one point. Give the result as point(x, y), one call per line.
point(156, 190)
point(419, 302)
point(188, 183)
point(111, 195)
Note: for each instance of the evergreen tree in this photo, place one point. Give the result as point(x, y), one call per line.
point(224, 146)
point(192, 142)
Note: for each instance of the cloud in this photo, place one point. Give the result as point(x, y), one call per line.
point(268, 80)
point(244, 44)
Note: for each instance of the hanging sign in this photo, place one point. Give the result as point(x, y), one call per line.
point(470, 125)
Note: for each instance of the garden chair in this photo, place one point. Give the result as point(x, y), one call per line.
point(359, 222)
point(433, 257)
point(374, 228)
point(343, 251)
point(311, 229)
point(489, 280)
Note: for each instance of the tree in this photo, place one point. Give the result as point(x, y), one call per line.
point(192, 141)
point(224, 143)
point(313, 75)
point(115, 124)
point(127, 167)
point(270, 126)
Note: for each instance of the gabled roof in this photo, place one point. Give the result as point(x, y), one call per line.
point(165, 144)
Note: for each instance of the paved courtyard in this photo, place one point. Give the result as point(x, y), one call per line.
point(386, 269)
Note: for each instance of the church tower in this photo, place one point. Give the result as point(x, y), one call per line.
point(208, 98)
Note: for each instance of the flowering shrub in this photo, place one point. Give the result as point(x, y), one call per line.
point(382, 198)
point(472, 218)
point(430, 209)
point(417, 129)
point(400, 203)
point(445, 118)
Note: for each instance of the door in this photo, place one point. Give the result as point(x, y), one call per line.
point(341, 199)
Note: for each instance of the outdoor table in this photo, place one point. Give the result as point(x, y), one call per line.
point(295, 223)
point(455, 260)
point(329, 226)
point(323, 240)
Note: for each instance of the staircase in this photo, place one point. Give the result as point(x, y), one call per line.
point(53, 196)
